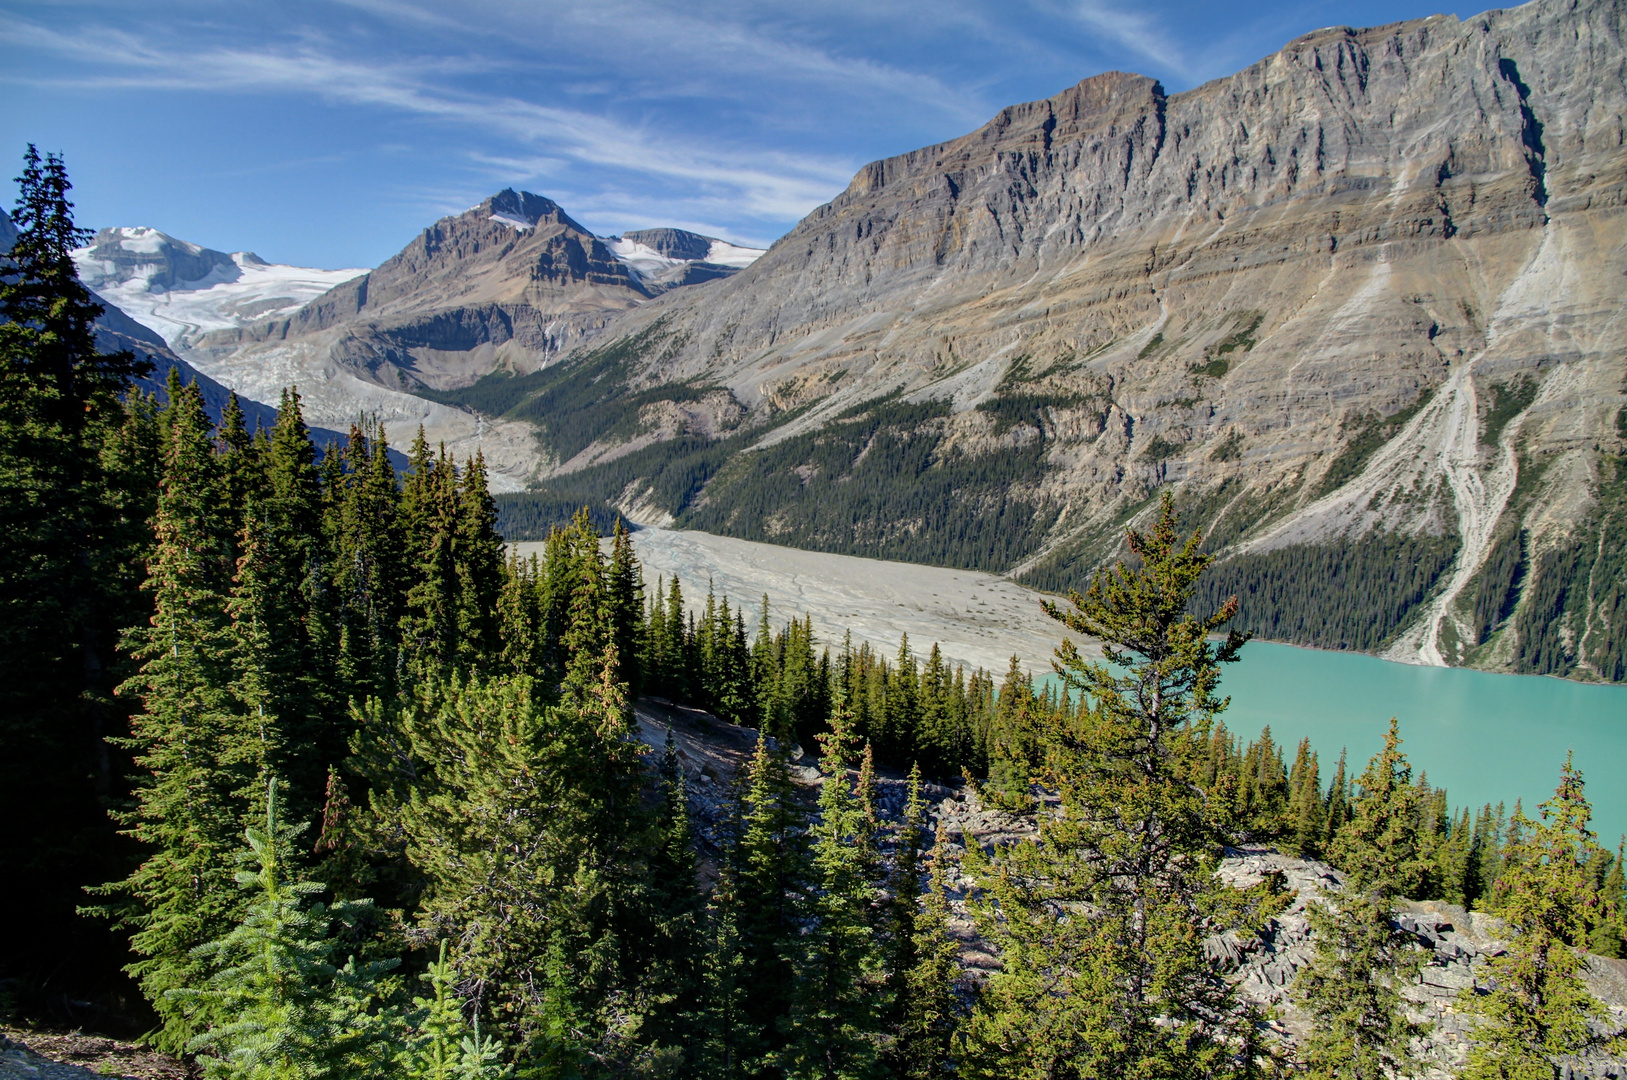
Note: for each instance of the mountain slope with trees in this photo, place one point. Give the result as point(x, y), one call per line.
point(1353, 304)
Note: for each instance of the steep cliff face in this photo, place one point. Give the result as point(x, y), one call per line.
point(1359, 302)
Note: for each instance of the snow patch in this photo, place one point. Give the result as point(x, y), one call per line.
point(513, 222)
point(226, 297)
point(727, 254)
point(641, 258)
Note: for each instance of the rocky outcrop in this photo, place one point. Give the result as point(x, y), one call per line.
point(1365, 287)
point(1456, 943)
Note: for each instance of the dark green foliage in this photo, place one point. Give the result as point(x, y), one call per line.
point(1158, 449)
point(1352, 595)
point(1508, 400)
point(78, 476)
point(1574, 610)
point(1099, 924)
point(1352, 991)
point(1217, 360)
point(1152, 346)
point(840, 999)
point(1366, 434)
point(1230, 449)
point(876, 482)
point(1537, 1007)
point(1028, 409)
point(532, 515)
point(757, 906)
point(285, 1007)
point(197, 749)
point(1496, 587)
point(578, 402)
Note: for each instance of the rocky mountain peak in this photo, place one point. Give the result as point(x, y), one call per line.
point(522, 209)
point(121, 255)
point(673, 243)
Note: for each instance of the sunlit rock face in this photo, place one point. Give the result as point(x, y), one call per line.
point(1366, 287)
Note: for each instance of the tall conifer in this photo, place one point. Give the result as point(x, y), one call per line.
point(197, 754)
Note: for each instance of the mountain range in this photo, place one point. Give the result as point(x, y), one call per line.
point(507, 285)
point(1357, 305)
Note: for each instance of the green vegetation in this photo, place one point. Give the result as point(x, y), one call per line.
point(576, 403)
point(1217, 357)
point(1573, 615)
point(1366, 434)
point(1230, 448)
point(875, 482)
point(1538, 1007)
point(433, 756)
point(1508, 400)
point(1350, 595)
point(1157, 449)
point(1101, 972)
point(532, 515)
point(1497, 587)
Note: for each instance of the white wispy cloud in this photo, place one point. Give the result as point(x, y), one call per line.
point(770, 185)
point(1133, 30)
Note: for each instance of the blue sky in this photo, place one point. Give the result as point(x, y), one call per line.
point(328, 133)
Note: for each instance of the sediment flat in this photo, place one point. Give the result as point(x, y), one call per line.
point(977, 619)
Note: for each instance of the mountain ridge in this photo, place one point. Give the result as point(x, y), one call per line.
point(1303, 295)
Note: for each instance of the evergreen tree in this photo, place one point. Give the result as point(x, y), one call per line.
point(765, 865)
point(1305, 810)
point(1336, 805)
point(441, 1045)
point(838, 1003)
point(1379, 846)
point(287, 1009)
point(303, 686)
point(1352, 990)
point(429, 626)
point(369, 568)
point(1537, 1007)
point(928, 1007)
point(73, 538)
point(627, 606)
point(197, 754)
point(674, 978)
point(478, 556)
point(1099, 925)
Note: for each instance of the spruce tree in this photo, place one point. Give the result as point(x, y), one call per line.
point(1536, 1006)
point(766, 866)
point(369, 568)
point(72, 541)
point(627, 607)
point(481, 821)
point(285, 1008)
point(840, 995)
point(673, 979)
point(928, 1006)
point(1352, 990)
point(1380, 847)
point(441, 1045)
point(1099, 925)
point(478, 553)
point(197, 753)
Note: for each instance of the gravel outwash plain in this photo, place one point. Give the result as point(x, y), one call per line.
point(977, 619)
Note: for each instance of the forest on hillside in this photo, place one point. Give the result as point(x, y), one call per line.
point(304, 776)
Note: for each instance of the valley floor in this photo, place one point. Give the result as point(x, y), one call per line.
point(977, 619)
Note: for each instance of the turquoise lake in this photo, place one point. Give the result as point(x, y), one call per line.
point(1483, 737)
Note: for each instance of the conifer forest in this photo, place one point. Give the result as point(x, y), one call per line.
point(303, 776)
